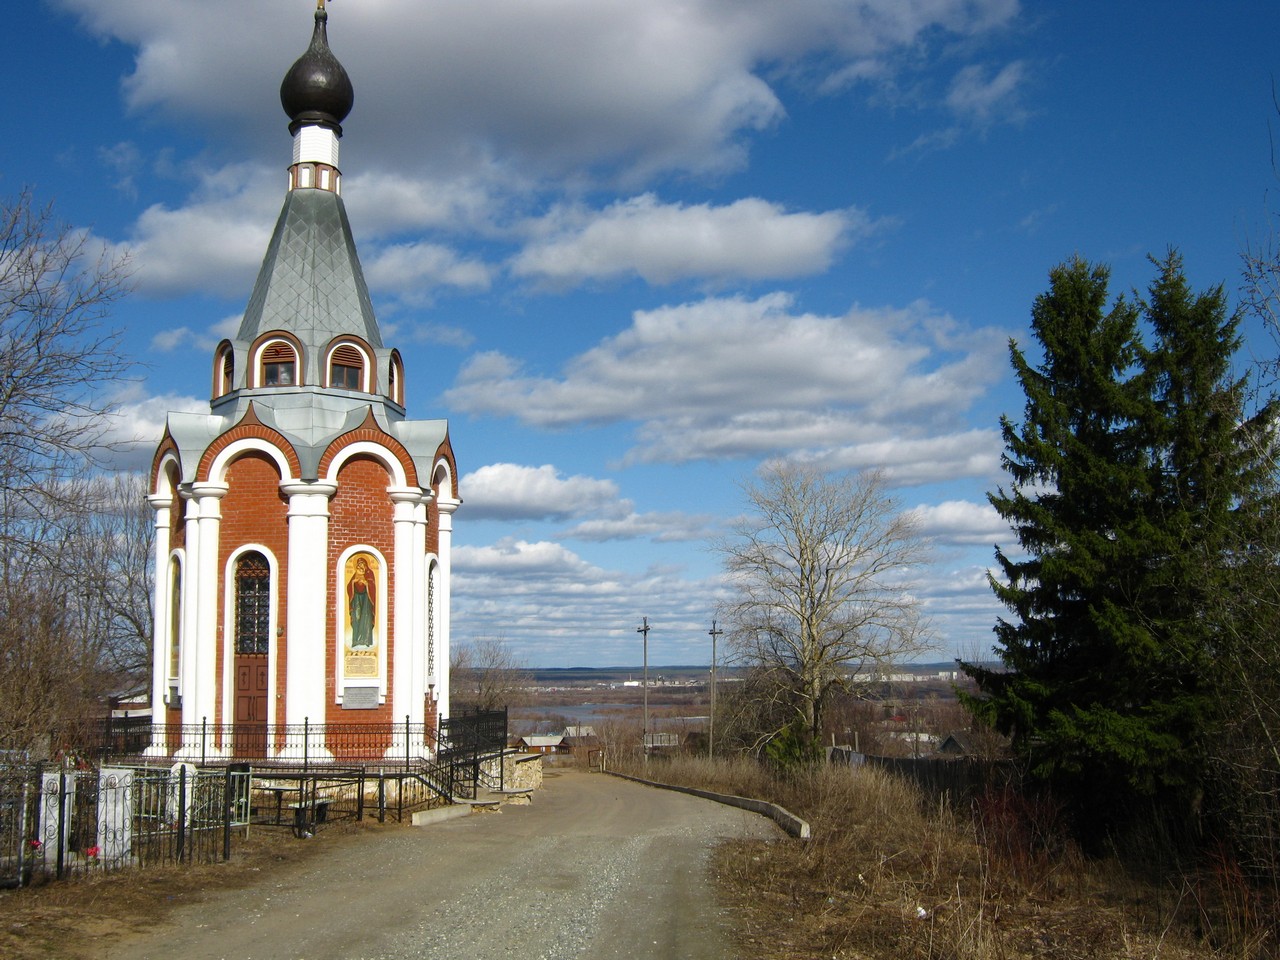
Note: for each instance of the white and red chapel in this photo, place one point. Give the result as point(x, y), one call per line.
point(303, 524)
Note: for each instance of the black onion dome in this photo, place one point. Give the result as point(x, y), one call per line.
point(317, 90)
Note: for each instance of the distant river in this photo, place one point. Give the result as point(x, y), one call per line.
point(581, 714)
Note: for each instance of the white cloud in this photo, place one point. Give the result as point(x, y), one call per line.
point(411, 270)
point(215, 242)
point(510, 491)
point(178, 338)
point(125, 159)
point(519, 558)
point(960, 604)
point(961, 522)
point(661, 527)
point(138, 423)
point(566, 611)
point(438, 334)
point(612, 84)
point(662, 243)
point(382, 202)
point(908, 461)
point(981, 99)
point(730, 377)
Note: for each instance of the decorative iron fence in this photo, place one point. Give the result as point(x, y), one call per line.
point(176, 793)
point(57, 822)
point(465, 738)
point(303, 744)
point(466, 743)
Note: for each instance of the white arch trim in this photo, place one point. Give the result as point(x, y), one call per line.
point(442, 474)
point(376, 450)
point(366, 372)
point(163, 487)
point(254, 373)
point(174, 618)
point(222, 462)
point(229, 630)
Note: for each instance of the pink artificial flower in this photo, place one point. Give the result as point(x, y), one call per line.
point(36, 844)
point(93, 851)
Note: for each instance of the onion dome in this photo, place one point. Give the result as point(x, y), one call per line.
point(317, 91)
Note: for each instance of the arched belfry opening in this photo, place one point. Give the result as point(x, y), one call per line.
point(303, 524)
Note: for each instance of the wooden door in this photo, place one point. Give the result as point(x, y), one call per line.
point(251, 706)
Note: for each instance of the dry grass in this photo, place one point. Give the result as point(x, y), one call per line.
point(886, 876)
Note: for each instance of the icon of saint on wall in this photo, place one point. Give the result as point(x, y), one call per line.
point(362, 601)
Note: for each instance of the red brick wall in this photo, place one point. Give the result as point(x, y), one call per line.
point(361, 513)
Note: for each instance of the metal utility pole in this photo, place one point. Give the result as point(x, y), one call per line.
point(644, 730)
point(711, 727)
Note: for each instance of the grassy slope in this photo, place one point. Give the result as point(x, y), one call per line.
point(886, 877)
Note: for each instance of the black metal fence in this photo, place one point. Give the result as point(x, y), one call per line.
point(466, 743)
point(61, 821)
point(463, 740)
point(130, 794)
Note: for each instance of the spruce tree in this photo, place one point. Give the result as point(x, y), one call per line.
point(1129, 474)
point(1217, 486)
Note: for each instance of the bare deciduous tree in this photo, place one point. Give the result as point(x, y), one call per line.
point(58, 368)
point(820, 569)
point(1245, 751)
point(112, 569)
point(58, 362)
point(486, 674)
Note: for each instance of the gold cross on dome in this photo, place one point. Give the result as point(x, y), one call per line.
point(320, 4)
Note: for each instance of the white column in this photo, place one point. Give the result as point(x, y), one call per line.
point(200, 662)
point(408, 652)
point(419, 595)
point(161, 622)
point(306, 636)
point(190, 588)
point(444, 553)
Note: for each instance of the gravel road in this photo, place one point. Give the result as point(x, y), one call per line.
point(595, 867)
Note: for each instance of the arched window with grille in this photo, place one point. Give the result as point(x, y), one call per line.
point(253, 604)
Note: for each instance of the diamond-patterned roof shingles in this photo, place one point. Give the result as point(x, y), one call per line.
point(311, 283)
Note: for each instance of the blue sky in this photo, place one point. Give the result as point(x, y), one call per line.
point(633, 250)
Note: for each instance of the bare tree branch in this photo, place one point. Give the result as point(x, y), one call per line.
point(486, 674)
point(820, 567)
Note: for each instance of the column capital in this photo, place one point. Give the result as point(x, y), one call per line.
point(447, 505)
point(209, 489)
point(159, 501)
point(412, 495)
point(297, 488)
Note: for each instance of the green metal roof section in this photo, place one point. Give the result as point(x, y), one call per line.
point(311, 284)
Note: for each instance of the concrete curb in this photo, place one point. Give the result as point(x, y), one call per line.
point(784, 818)
point(422, 818)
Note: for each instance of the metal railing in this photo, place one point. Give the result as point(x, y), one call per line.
point(138, 795)
point(61, 821)
point(452, 758)
point(303, 744)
